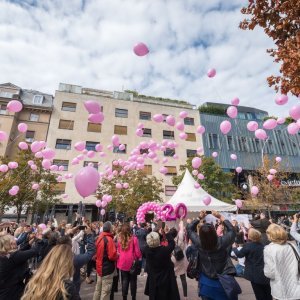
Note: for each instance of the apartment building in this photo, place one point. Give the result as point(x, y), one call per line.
point(123, 111)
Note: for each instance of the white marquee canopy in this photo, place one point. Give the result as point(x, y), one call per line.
point(192, 197)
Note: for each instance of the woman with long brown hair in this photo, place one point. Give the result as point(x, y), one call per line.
point(128, 251)
point(52, 279)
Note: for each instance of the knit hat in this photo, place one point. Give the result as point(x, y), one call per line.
point(107, 226)
point(153, 240)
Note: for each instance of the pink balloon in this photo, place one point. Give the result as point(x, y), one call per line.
point(126, 185)
point(33, 167)
point(65, 196)
point(232, 112)
point(183, 135)
point(13, 165)
point(14, 190)
point(85, 151)
point(140, 49)
point(86, 181)
point(3, 168)
point(35, 146)
point(200, 129)
point(225, 127)
point(90, 154)
point(233, 156)
point(165, 160)
point(214, 154)
point(98, 203)
point(48, 153)
point(260, 134)
point(158, 118)
point(54, 168)
point(96, 118)
point(281, 99)
point(93, 107)
point(42, 144)
point(252, 126)
point(278, 159)
point(109, 198)
point(23, 146)
point(273, 171)
point(175, 156)
point(195, 172)
point(42, 226)
point(254, 190)
point(139, 132)
point(270, 124)
point(61, 168)
point(30, 163)
point(46, 164)
point(239, 169)
point(295, 112)
point(179, 126)
point(196, 185)
point(79, 146)
point(211, 73)
point(196, 162)
point(293, 128)
point(183, 114)
point(163, 170)
point(141, 126)
point(102, 212)
point(38, 154)
point(239, 203)
point(115, 140)
point(280, 121)
point(235, 101)
point(206, 200)
point(59, 178)
point(170, 120)
point(98, 148)
point(14, 106)
point(199, 150)
point(270, 177)
point(200, 176)
point(80, 157)
point(22, 127)
point(3, 136)
point(35, 186)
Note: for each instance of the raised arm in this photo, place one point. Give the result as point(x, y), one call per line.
point(192, 235)
point(293, 231)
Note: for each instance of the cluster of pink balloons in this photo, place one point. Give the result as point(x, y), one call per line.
point(149, 207)
point(94, 109)
point(14, 190)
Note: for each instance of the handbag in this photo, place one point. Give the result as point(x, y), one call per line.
point(193, 270)
point(297, 257)
point(178, 253)
point(136, 266)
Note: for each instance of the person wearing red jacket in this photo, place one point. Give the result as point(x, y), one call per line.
point(106, 256)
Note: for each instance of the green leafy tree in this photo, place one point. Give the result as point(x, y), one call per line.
point(141, 189)
point(23, 177)
point(216, 183)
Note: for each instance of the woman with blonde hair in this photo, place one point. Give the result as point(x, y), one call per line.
point(281, 264)
point(52, 281)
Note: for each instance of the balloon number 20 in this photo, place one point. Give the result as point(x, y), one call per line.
point(172, 213)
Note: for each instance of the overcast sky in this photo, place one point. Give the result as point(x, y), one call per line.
point(89, 43)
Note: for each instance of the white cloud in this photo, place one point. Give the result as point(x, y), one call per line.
point(90, 43)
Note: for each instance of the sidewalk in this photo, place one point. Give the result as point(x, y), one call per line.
point(87, 290)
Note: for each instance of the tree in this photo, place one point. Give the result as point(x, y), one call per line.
point(272, 192)
point(217, 183)
point(281, 22)
point(141, 189)
point(23, 177)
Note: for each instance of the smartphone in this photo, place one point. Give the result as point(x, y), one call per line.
point(208, 212)
point(82, 227)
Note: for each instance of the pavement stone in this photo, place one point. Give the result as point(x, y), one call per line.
point(87, 290)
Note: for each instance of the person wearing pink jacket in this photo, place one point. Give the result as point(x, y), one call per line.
point(128, 251)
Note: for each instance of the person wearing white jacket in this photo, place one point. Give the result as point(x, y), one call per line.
point(281, 265)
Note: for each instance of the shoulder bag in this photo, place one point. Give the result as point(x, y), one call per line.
point(178, 253)
point(297, 257)
point(136, 266)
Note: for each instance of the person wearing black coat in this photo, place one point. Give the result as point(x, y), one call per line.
point(254, 265)
point(262, 225)
point(14, 269)
point(161, 282)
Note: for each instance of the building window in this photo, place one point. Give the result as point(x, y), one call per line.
point(145, 115)
point(34, 117)
point(170, 190)
point(142, 151)
point(147, 132)
point(38, 99)
point(6, 95)
point(171, 170)
point(230, 142)
point(121, 113)
point(117, 150)
point(121, 130)
point(63, 144)
point(95, 164)
point(168, 135)
point(66, 124)
point(29, 137)
point(169, 152)
point(191, 153)
point(2, 109)
point(64, 163)
point(242, 115)
point(90, 146)
point(92, 127)
point(68, 106)
point(191, 137)
point(189, 121)
point(147, 170)
point(59, 188)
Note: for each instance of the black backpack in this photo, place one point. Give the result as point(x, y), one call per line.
point(178, 253)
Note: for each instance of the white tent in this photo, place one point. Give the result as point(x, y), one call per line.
point(192, 197)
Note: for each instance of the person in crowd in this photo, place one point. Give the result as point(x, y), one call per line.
point(253, 252)
point(220, 229)
point(213, 255)
point(106, 256)
point(52, 281)
point(128, 252)
point(281, 265)
point(180, 266)
point(92, 263)
point(141, 235)
point(261, 225)
point(14, 269)
point(161, 282)
point(294, 229)
point(240, 266)
point(76, 235)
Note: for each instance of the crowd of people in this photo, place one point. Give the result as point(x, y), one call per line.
point(51, 262)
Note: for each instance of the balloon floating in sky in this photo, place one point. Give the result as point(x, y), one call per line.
point(214, 154)
point(22, 127)
point(233, 156)
point(140, 49)
point(211, 73)
point(207, 200)
point(281, 99)
point(252, 126)
point(270, 124)
point(254, 190)
point(232, 112)
point(225, 127)
point(280, 121)
point(235, 101)
point(93, 107)
point(260, 134)
point(14, 106)
point(295, 112)
point(293, 128)
point(239, 169)
point(196, 162)
point(278, 159)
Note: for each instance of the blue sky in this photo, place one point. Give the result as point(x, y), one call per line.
point(90, 43)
